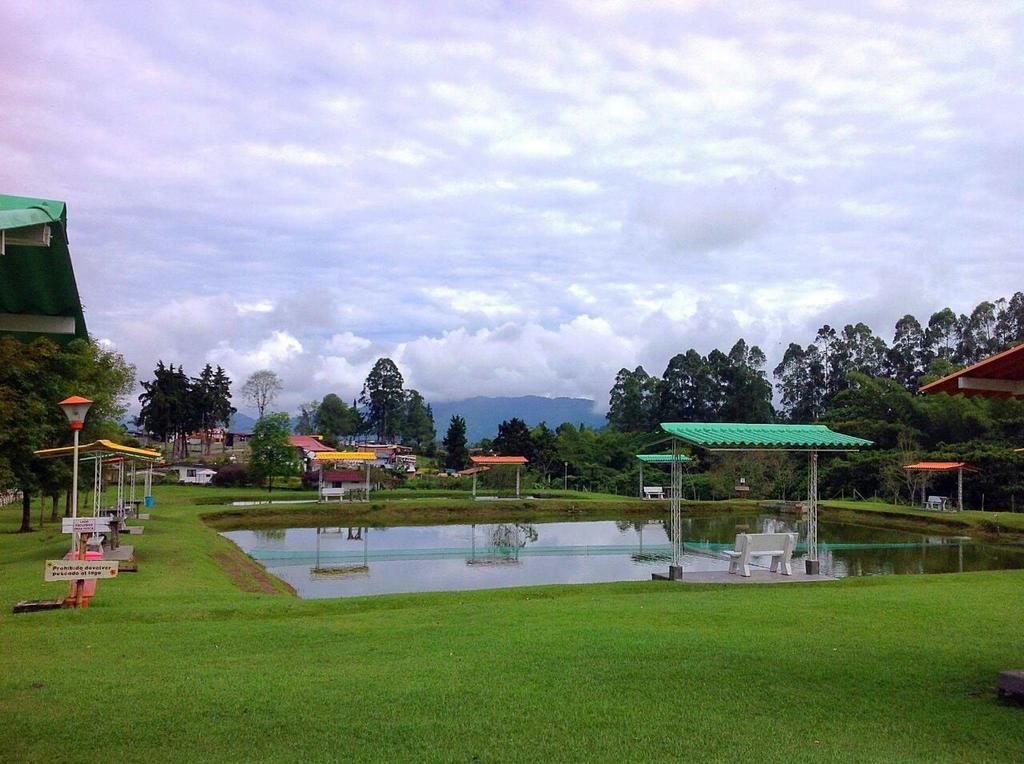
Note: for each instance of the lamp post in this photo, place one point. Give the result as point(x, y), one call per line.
point(565, 477)
point(75, 409)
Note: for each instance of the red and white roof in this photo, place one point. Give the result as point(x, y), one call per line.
point(307, 442)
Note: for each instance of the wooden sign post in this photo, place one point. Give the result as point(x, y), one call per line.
point(78, 571)
point(82, 525)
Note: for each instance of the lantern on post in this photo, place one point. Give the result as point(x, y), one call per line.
point(75, 408)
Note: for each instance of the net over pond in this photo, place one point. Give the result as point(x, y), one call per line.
point(342, 562)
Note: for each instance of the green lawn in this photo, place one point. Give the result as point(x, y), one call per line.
point(177, 662)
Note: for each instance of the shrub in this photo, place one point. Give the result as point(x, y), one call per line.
point(231, 476)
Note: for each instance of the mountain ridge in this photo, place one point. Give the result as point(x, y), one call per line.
point(483, 414)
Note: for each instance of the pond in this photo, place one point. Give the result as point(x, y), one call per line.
point(345, 562)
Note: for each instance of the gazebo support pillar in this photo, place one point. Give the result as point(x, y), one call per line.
point(675, 570)
point(812, 565)
point(517, 482)
point(641, 487)
point(474, 485)
point(960, 489)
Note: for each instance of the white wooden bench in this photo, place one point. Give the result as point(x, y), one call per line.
point(937, 502)
point(654, 492)
point(779, 546)
point(327, 493)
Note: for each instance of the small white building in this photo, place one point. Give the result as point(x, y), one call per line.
point(193, 474)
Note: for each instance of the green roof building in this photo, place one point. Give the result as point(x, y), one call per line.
point(38, 293)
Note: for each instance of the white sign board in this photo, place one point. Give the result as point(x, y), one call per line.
point(72, 570)
point(86, 524)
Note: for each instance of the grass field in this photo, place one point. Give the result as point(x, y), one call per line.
point(200, 656)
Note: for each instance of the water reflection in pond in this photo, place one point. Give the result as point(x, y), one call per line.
point(341, 562)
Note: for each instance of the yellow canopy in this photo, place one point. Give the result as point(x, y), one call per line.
point(344, 456)
point(103, 448)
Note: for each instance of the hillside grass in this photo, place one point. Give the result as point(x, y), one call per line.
point(179, 661)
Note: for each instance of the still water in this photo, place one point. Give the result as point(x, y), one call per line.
point(345, 562)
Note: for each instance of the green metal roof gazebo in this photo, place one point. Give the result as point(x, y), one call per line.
point(774, 437)
point(720, 436)
point(38, 292)
point(657, 459)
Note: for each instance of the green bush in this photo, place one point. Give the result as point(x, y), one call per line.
point(231, 476)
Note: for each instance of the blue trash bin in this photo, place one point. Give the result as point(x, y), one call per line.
point(149, 501)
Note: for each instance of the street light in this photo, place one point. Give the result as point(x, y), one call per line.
point(75, 409)
point(565, 477)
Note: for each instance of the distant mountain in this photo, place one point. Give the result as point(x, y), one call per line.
point(241, 423)
point(483, 415)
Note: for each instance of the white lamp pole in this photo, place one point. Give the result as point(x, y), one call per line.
point(75, 409)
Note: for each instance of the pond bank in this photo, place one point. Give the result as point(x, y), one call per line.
point(443, 511)
point(989, 526)
point(1003, 527)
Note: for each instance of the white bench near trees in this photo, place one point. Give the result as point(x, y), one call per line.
point(779, 546)
point(654, 492)
point(939, 503)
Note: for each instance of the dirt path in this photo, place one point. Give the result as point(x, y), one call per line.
point(245, 574)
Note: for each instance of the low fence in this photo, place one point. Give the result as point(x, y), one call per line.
point(9, 497)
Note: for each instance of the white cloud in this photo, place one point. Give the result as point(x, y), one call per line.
point(345, 343)
point(273, 352)
point(519, 199)
point(471, 301)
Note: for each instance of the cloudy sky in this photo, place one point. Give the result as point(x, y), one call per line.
point(513, 197)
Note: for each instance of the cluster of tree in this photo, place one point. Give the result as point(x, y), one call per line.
point(718, 387)
point(175, 405)
point(734, 386)
point(809, 377)
point(331, 418)
point(270, 453)
point(33, 379)
point(391, 412)
point(593, 460)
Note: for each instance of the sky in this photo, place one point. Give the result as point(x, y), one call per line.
point(513, 198)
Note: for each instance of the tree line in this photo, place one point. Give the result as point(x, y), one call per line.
point(735, 387)
point(175, 405)
point(385, 409)
point(33, 378)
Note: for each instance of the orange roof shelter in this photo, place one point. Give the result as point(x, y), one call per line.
point(1001, 376)
point(498, 461)
point(927, 467)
